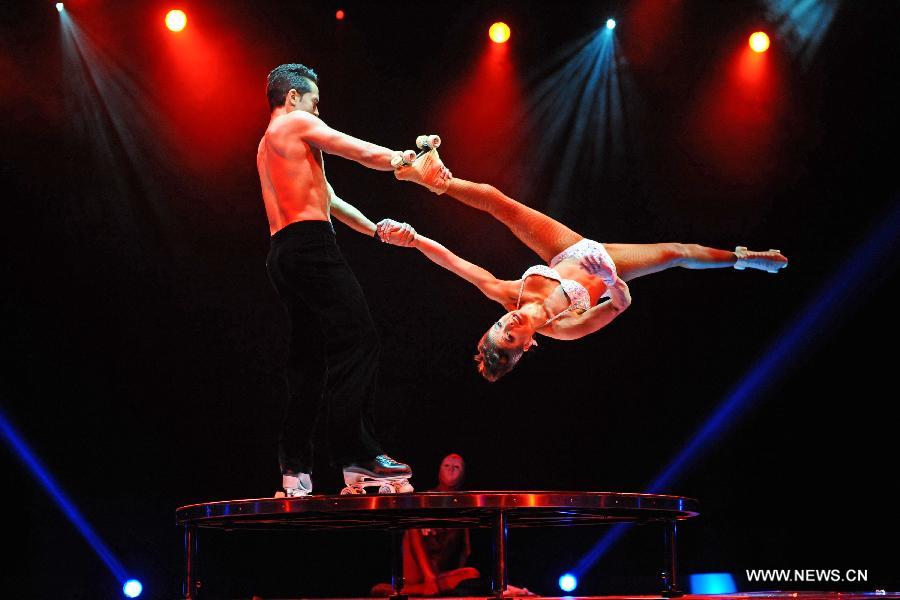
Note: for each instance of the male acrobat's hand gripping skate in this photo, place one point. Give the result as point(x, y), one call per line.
point(383, 472)
point(426, 167)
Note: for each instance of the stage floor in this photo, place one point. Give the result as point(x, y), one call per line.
point(770, 595)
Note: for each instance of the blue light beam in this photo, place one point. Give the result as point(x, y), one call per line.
point(810, 326)
point(802, 24)
point(580, 103)
point(112, 115)
point(53, 490)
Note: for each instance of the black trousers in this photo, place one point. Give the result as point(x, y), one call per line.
point(333, 359)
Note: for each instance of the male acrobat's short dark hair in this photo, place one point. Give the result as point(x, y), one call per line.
point(284, 78)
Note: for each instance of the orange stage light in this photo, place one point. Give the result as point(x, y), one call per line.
point(499, 32)
point(339, 15)
point(759, 42)
point(176, 20)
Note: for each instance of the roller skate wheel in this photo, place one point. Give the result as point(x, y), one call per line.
point(427, 142)
point(405, 488)
point(386, 488)
point(280, 494)
point(405, 159)
point(350, 491)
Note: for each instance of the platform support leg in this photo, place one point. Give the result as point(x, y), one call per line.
point(670, 566)
point(190, 587)
point(397, 578)
point(499, 582)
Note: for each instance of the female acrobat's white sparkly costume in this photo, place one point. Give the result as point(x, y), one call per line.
point(579, 298)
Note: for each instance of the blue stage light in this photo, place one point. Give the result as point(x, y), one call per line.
point(712, 583)
point(132, 588)
point(59, 6)
point(610, 23)
point(568, 582)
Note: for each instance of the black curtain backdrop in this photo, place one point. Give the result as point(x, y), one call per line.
point(143, 339)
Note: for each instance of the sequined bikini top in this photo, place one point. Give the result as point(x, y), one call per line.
point(579, 298)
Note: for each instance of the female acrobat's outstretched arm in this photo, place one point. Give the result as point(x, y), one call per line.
point(489, 285)
point(484, 280)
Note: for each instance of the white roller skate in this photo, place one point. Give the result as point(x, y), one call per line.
point(383, 472)
point(426, 169)
point(295, 486)
point(770, 261)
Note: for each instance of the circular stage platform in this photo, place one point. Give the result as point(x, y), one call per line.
point(436, 509)
point(498, 510)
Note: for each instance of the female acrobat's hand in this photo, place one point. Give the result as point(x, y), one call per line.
point(619, 294)
point(596, 266)
point(396, 233)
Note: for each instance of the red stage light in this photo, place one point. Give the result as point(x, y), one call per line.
point(759, 42)
point(339, 15)
point(176, 20)
point(499, 32)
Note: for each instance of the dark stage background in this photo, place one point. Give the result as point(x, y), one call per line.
point(143, 339)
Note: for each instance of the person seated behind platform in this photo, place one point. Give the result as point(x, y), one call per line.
point(434, 560)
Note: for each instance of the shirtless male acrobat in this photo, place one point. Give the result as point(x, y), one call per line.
point(333, 355)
